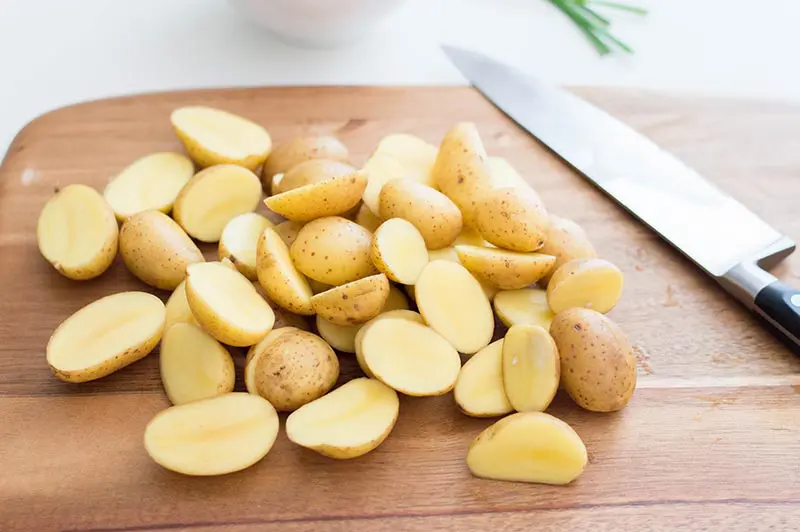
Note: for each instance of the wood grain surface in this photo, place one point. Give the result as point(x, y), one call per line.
point(710, 441)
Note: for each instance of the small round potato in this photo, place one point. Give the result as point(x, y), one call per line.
point(589, 283)
point(296, 369)
point(598, 367)
point(435, 215)
point(565, 240)
point(353, 303)
point(289, 154)
point(255, 353)
point(398, 250)
point(310, 172)
point(333, 250)
point(512, 218)
point(330, 197)
point(156, 250)
point(507, 270)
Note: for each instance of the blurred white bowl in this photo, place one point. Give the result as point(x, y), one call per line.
point(317, 23)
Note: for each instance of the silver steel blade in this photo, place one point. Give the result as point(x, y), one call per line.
point(711, 228)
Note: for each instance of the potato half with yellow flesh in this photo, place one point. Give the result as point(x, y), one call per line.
point(416, 156)
point(526, 306)
point(528, 447)
point(279, 278)
point(310, 172)
point(213, 436)
point(589, 283)
point(348, 422)
point(379, 169)
point(507, 270)
point(289, 154)
point(353, 303)
point(330, 197)
point(150, 183)
point(400, 313)
point(565, 240)
point(227, 305)
point(212, 136)
point(105, 336)
point(239, 241)
point(398, 250)
point(77, 233)
point(479, 389)
point(531, 368)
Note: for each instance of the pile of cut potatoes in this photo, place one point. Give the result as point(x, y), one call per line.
point(403, 263)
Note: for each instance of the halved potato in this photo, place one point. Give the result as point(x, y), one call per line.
point(227, 305)
point(288, 231)
point(526, 306)
point(256, 352)
point(366, 219)
point(398, 250)
point(213, 436)
point(310, 172)
point(400, 314)
point(528, 447)
point(587, 283)
point(212, 136)
point(380, 169)
point(214, 197)
point(409, 357)
point(479, 389)
point(278, 276)
point(348, 422)
point(415, 155)
point(502, 174)
point(353, 303)
point(453, 304)
point(435, 215)
point(513, 218)
point(177, 308)
point(149, 183)
point(287, 155)
point(531, 368)
point(105, 336)
point(193, 365)
point(565, 240)
point(77, 233)
point(330, 197)
point(239, 241)
point(507, 270)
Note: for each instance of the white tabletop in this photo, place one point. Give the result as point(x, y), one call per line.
point(55, 52)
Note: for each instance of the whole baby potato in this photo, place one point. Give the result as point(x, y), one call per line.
point(309, 172)
point(333, 250)
point(295, 369)
point(598, 367)
point(512, 218)
point(156, 250)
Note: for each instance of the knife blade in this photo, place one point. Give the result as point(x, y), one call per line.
point(719, 234)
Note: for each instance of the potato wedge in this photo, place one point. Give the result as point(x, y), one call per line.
point(77, 233)
point(526, 306)
point(214, 197)
point(213, 436)
point(507, 270)
point(227, 305)
point(415, 155)
point(454, 305)
point(479, 389)
point(156, 250)
point(105, 336)
point(366, 219)
point(330, 197)
point(255, 353)
point(598, 367)
point(565, 240)
point(348, 422)
point(310, 172)
point(279, 278)
point(435, 215)
point(333, 251)
point(239, 241)
point(380, 169)
point(149, 183)
point(528, 447)
point(398, 250)
point(410, 358)
point(460, 171)
point(295, 369)
point(400, 313)
point(288, 231)
point(287, 155)
point(589, 283)
point(513, 218)
point(193, 365)
point(353, 303)
point(531, 368)
point(212, 136)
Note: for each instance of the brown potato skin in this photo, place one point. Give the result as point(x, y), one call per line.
point(157, 250)
point(286, 155)
point(598, 367)
point(312, 171)
point(434, 215)
point(512, 218)
point(565, 240)
point(353, 303)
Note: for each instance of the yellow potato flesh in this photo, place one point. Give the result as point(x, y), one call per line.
point(331, 197)
point(212, 136)
point(105, 336)
point(214, 197)
point(565, 240)
point(213, 436)
point(298, 150)
point(507, 270)
point(469, 237)
point(150, 183)
point(588, 283)
point(400, 313)
point(77, 232)
point(366, 219)
point(454, 305)
point(309, 172)
point(415, 155)
point(178, 310)
point(227, 305)
point(380, 169)
point(239, 241)
point(531, 368)
point(256, 352)
point(526, 306)
point(193, 365)
point(479, 389)
point(279, 278)
point(528, 447)
point(348, 422)
point(398, 250)
point(409, 357)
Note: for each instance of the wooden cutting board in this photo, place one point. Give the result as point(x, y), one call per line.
point(711, 439)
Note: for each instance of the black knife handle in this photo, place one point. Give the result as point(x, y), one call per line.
point(779, 304)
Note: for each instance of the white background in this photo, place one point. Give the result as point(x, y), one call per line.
point(56, 52)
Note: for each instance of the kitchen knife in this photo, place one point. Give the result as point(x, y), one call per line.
point(719, 234)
